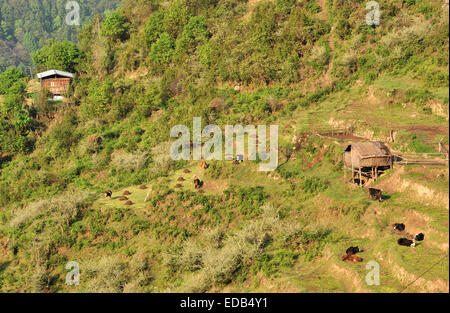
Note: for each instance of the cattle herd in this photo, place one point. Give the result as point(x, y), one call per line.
point(350, 254)
point(407, 240)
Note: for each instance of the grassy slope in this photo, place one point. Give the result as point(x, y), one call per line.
point(124, 248)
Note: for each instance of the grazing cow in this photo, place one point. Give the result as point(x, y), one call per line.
point(351, 258)
point(178, 185)
point(353, 250)
point(129, 203)
point(142, 187)
point(123, 198)
point(419, 237)
point(181, 179)
point(186, 171)
point(406, 242)
point(108, 194)
point(375, 194)
point(126, 193)
point(198, 183)
point(399, 227)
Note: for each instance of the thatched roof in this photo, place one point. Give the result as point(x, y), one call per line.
point(366, 149)
point(367, 154)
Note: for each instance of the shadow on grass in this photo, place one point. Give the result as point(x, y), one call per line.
point(4, 265)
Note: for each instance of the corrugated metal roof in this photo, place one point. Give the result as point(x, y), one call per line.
point(54, 72)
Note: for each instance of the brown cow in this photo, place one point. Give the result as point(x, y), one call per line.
point(203, 165)
point(351, 258)
point(198, 183)
point(375, 194)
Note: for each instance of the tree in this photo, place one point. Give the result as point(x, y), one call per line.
point(115, 26)
point(194, 33)
point(163, 49)
point(154, 26)
point(58, 55)
point(9, 78)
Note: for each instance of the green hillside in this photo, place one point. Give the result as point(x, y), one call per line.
point(315, 68)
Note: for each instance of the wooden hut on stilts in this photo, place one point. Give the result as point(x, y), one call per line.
point(366, 160)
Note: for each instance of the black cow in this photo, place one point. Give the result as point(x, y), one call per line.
point(108, 194)
point(406, 242)
point(375, 194)
point(353, 250)
point(399, 227)
point(419, 237)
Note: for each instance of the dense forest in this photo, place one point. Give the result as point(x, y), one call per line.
point(25, 26)
point(311, 67)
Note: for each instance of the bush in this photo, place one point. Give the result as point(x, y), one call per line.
point(313, 185)
point(163, 49)
point(63, 135)
point(8, 78)
point(129, 161)
point(154, 27)
point(115, 26)
point(269, 264)
point(240, 250)
point(106, 275)
point(194, 33)
point(175, 18)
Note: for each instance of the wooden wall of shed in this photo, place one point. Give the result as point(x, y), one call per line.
point(57, 86)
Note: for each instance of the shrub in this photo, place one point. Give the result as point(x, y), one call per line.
point(106, 275)
point(162, 161)
point(129, 161)
point(115, 26)
point(63, 135)
point(194, 33)
point(163, 49)
point(8, 78)
point(319, 56)
point(175, 18)
point(313, 185)
point(40, 279)
point(154, 27)
point(269, 264)
point(64, 208)
point(240, 250)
